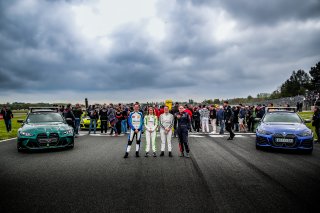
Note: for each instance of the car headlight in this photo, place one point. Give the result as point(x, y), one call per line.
point(305, 133)
point(68, 132)
point(26, 134)
point(263, 132)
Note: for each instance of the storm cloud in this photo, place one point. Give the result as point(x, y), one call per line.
point(186, 49)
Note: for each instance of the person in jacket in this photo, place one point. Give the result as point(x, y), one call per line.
point(204, 112)
point(166, 123)
point(7, 116)
point(228, 116)
point(112, 119)
point(151, 124)
point(221, 120)
point(103, 114)
point(189, 111)
point(94, 116)
point(77, 111)
point(236, 110)
point(124, 122)
point(69, 116)
point(196, 119)
point(174, 111)
point(213, 119)
point(316, 123)
point(119, 116)
point(242, 118)
point(183, 126)
point(135, 121)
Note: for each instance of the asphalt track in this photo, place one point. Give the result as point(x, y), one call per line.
point(220, 176)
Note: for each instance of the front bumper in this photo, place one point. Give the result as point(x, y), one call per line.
point(25, 143)
point(299, 143)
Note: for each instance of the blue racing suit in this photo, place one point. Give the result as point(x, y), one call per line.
point(135, 121)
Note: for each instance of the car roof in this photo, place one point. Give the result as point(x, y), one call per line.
point(43, 109)
point(281, 109)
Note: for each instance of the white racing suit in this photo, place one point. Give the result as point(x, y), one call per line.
point(151, 123)
point(135, 121)
point(166, 122)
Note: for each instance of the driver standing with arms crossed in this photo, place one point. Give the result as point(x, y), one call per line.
point(183, 123)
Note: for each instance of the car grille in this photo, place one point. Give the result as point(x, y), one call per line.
point(45, 140)
point(262, 140)
point(284, 144)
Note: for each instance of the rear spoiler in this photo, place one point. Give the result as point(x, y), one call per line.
point(43, 109)
point(282, 109)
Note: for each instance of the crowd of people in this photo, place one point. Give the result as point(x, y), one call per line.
point(136, 120)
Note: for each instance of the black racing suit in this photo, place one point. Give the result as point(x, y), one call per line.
point(183, 126)
point(104, 120)
point(228, 115)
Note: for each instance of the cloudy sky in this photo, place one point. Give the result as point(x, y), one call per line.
point(151, 50)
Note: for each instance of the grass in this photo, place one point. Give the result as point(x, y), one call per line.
point(308, 115)
point(15, 126)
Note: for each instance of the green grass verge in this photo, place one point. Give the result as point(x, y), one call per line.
point(308, 115)
point(15, 126)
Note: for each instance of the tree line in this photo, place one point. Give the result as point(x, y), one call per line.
point(299, 83)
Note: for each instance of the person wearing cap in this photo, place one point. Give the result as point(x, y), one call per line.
point(7, 116)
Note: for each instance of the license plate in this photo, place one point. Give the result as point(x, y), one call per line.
point(284, 140)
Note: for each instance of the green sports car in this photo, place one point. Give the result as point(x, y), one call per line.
point(44, 129)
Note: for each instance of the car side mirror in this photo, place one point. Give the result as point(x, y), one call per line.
point(307, 120)
point(257, 119)
point(20, 121)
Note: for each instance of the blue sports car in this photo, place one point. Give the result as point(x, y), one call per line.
point(281, 128)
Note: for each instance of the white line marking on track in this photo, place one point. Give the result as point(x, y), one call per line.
point(7, 140)
point(196, 136)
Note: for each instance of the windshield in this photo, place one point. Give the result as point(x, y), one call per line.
point(282, 117)
point(44, 117)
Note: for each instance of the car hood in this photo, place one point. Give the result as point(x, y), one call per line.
point(284, 127)
point(45, 127)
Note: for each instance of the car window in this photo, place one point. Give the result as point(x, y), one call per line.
point(282, 117)
point(44, 117)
